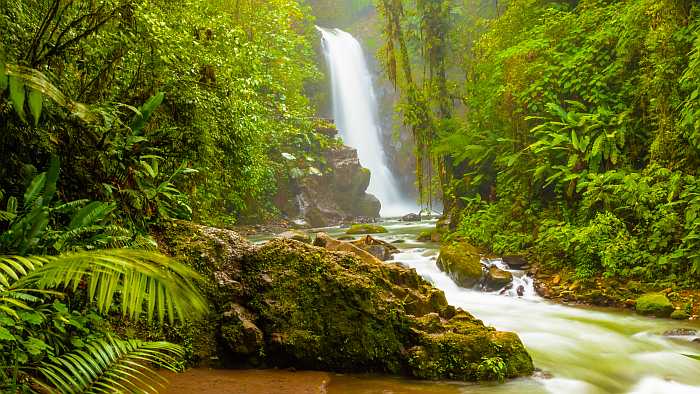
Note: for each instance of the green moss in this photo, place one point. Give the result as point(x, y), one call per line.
point(679, 314)
point(462, 262)
point(365, 229)
point(654, 304)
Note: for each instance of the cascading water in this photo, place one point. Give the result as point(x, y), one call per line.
point(581, 351)
point(354, 110)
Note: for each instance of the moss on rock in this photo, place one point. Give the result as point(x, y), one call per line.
point(462, 261)
point(287, 303)
point(654, 304)
point(365, 229)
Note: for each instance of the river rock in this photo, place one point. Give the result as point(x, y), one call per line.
point(462, 262)
point(497, 279)
point(680, 314)
point(378, 248)
point(411, 217)
point(515, 262)
point(365, 229)
point(654, 304)
point(680, 332)
point(308, 307)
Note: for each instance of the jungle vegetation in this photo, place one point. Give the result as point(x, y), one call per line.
point(118, 115)
point(568, 130)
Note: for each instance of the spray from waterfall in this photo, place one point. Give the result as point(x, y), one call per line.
point(355, 113)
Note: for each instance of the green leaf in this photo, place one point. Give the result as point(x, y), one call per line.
point(146, 110)
point(36, 101)
point(17, 96)
point(6, 335)
point(35, 346)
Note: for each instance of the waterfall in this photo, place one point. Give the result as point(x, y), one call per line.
point(355, 113)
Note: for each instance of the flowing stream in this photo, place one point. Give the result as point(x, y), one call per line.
point(355, 113)
point(578, 350)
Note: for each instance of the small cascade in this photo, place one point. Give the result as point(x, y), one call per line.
point(522, 284)
point(355, 113)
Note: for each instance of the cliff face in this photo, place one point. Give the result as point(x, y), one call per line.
point(287, 303)
point(336, 195)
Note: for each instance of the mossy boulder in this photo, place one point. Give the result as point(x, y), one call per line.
point(680, 314)
point(290, 304)
point(497, 278)
point(331, 310)
point(365, 228)
point(654, 304)
point(428, 236)
point(462, 261)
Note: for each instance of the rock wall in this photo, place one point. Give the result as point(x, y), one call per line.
point(336, 195)
point(290, 304)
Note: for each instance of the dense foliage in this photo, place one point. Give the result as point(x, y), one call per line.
point(573, 130)
point(222, 84)
point(140, 112)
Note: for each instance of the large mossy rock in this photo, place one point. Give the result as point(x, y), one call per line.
point(462, 262)
point(654, 304)
point(324, 310)
point(290, 304)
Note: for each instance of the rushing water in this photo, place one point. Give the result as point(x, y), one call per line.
point(354, 110)
point(579, 350)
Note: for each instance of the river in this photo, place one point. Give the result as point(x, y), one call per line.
point(577, 349)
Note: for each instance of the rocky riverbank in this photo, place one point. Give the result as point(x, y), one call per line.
point(290, 304)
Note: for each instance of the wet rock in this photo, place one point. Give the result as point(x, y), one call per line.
point(334, 308)
point(239, 333)
point(429, 236)
point(398, 241)
point(365, 229)
point(654, 304)
point(680, 314)
point(327, 199)
point(515, 262)
point(335, 311)
point(411, 217)
point(462, 262)
point(497, 279)
point(296, 235)
point(680, 332)
point(378, 248)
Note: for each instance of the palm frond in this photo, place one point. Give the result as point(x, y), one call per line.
point(12, 268)
point(112, 365)
point(143, 281)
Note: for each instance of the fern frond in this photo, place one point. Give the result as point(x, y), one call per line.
point(12, 268)
point(112, 365)
point(144, 281)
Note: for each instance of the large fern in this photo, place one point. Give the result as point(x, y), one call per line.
point(112, 365)
point(143, 281)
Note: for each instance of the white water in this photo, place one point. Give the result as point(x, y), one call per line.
point(586, 351)
point(354, 110)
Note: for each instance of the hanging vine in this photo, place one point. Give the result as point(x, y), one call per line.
point(424, 97)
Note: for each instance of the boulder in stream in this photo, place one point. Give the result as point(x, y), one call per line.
point(462, 262)
point(365, 228)
point(290, 304)
point(378, 248)
point(654, 304)
point(411, 217)
point(496, 278)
